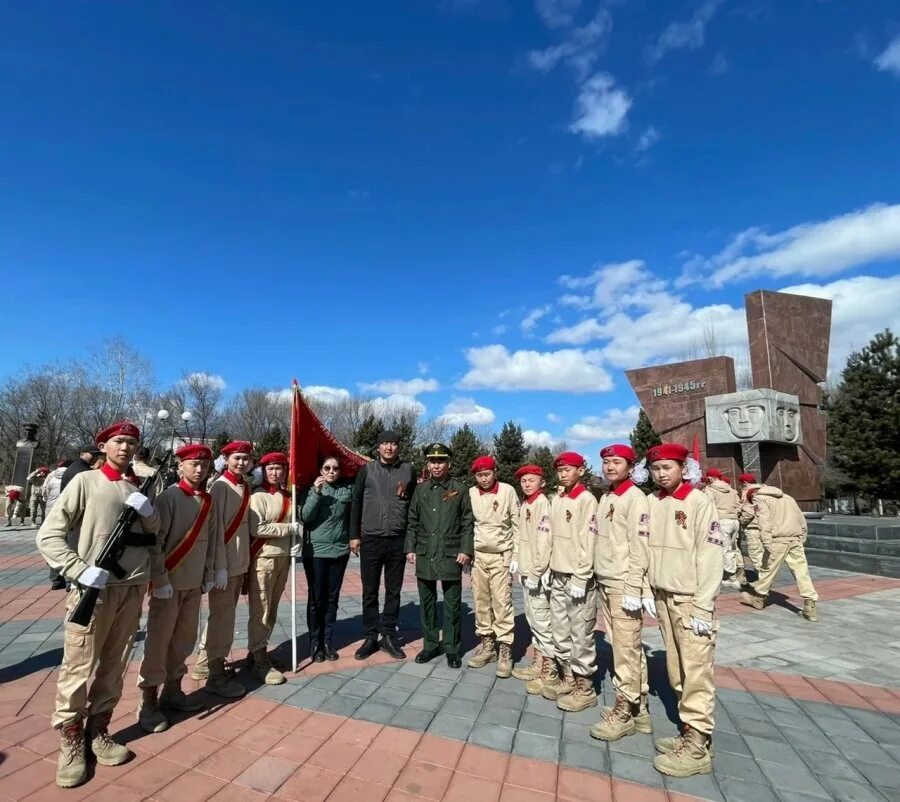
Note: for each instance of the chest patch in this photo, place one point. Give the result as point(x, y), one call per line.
point(681, 519)
point(610, 512)
point(495, 506)
point(568, 516)
point(449, 494)
point(527, 515)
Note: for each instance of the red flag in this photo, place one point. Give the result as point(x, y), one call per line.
point(696, 450)
point(311, 442)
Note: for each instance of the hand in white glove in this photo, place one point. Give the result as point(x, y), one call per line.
point(534, 585)
point(649, 605)
point(575, 592)
point(700, 627)
point(206, 587)
point(165, 592)
point(93, 577)
point(297, 529)
point(297, 549)
point(631, 604)
point(221, 580)
point(513, 567)
point(545, 580)
point(138, 501)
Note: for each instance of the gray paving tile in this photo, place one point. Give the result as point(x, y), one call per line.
point(379, 675)
point(851, 790)
point(884, 775)
point(339, 705)
point(505, 718)
point(776, 751)
point(731, 742)
point(703, 786)
point(391, 696)
point(470, 677)
point(492, 736)
point(737, 767)
point(414, 669)
point(792, 777)
point(638, 744)
point(504, 700)
point(760, 729)
point(408, 682)
point(543, 707)
point(377, 712)
point(451, 726)
point(438, 687)
point(743, 791)
point(466, 708)
point(861, 750)
point(309, 698)
point(542, 725)
point(634, 768)
point(537, 747)
point(828, 764)
point(360, 688)
point(411, 718)
point(471, 693)
point(425, 701)
point(328, 682)
point(593, 756)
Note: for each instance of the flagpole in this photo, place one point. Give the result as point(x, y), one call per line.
point(293, 537)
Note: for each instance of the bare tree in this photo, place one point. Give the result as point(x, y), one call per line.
point(201, 395)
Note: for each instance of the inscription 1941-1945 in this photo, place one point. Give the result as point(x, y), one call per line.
point(677, 387)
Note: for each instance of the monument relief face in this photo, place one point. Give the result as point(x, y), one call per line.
point(753, 416)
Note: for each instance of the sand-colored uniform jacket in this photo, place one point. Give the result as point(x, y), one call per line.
point(180, 564)
point(90, 505)
point(227, 499)
point(532, 542)
point(622, 553)
point(747, 515)
point(270, 513)
point(777, 515)
point(573, 522)
point(686, 548)
point(725, 497)
point(496, 513)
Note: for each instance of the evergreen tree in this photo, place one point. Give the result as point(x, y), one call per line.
point(510, 451)
point(643, 437)
point(273, 440)
point(864, 418)
point(543, 456)
point(405, 427)
point(465, 447)
point(220, 440)
point(365, 437)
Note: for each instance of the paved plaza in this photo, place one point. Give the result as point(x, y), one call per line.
point(804, 712)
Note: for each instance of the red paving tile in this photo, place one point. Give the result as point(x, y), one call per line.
point(577, 785)
point(310, 784)
point(538, 775)
point(191, 750)
point(439, 751)
point(624, 791)
point(354, 732)
point(467, 788)
point(259, 738)
point(52, 793)
point(227, 762)
point(321, 725)
point(399, 742)
point(353, 789)
point(29, 779)
point(150, 775)
point(267, 774)
point(336, 756)
point(192, 786)
point(15, 759)
point(296, 747)
point(379, 767)
point(514, 793)
point(424, 779)
point(237, 793)
point(484, 763)
point(115, 793)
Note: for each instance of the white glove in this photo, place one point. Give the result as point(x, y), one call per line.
point(206, 587)
point(575, 592)
point(165, 592)
point(649, 605)
point(545, 580)
point(93, 577)
point(221, 580)
point(138, 501)
point(513, 567)
point(532, 584)
point(297, 528)
point(631, 604)
point(297, 549)
point(700, 627)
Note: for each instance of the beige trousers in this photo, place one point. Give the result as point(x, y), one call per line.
point(623, 631)
point(573, 625)
point(689, 661)
point(755, 550)
point(537, 614)
point(731, 533)
point(790, 552)
point(218, 634)
point(268, 576)
point(171, 637)
point(492, 592)
point(101, 648)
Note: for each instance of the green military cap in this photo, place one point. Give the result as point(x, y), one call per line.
point(438, 451)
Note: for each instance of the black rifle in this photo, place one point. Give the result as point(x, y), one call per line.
point(114, 548)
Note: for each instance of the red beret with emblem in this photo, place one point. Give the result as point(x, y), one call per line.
point(715, 473)
point(273, 458)
point(672, 451)
point(194, 451)
point(236, 447)
point(619, 450)
point(571, 458)
point(747, 478)
point(536, 470)
point(122, 427)
point(484, 463)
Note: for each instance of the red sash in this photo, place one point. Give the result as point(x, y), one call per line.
point(258, 542)
point(184, 548)
point(236, 521)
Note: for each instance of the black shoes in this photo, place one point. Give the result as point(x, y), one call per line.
point(427, 655)
point(331, 654)
point(389, 644)
point(453, 661)
point(58, 584)
point(368, 648)
point(318, 655)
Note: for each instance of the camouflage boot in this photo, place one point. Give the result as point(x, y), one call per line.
point(71, 766)
point(105, 749)
point(487, 653)
point(549, 676)
point(173, 698)
point(693, 756)
point(264, 671)
point(150, 717)
point(219, 682)
point(565, 684)
point(504, 661)
point(582, 696)
point(530, 671)
point(615, 724)
point(751, 598)
point(809, 610)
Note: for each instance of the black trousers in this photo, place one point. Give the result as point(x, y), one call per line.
point(324, 577)
point(377, 554)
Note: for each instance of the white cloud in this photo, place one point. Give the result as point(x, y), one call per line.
point(575, 301)
point(206, 379)
point(322, 392)
point(539, 439)
point(647, 139)
point(557, 13)
point(567, 370)
point(889, 59)
point(423, 368)
point(553, 417)
point(580, 48)
point(612, 425)
point(579, 334)
point(719, 64)
point(811, 249)
point(532, 318)
point(460, 411)
point(498, 330)
point(389, 406)
point(616, 285)
point(688, 35)
point(411, 387)
point(601, 108)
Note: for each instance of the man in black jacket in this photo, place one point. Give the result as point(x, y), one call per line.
point(378, 515)
point(84, 462)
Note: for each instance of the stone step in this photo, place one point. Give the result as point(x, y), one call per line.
point(848, 561)
point(878, 548)
point(832, 528)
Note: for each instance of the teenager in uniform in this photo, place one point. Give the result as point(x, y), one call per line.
point(531, 560)
point(685, 573)
point(728, 508)
point(190, 534)
point(440, 543)
point(270, 562)
point(747, 520)
point(15, 507)
point(231, 503)
point(495, 509)
point(621, 558)
point(37, 479)
point(573, 592)
point(91, 505)
point(782, 530)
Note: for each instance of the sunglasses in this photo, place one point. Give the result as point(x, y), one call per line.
point(331, 468)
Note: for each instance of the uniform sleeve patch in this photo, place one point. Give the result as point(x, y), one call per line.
point(544, 525)
point(592, 525)
point(715, 534)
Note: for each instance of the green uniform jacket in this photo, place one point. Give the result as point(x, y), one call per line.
point(440, 527)
point(326, 519)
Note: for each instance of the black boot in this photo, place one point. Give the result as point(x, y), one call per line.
point(427, 655)
point(330, 653)
point(368, 648)
point(389, 644)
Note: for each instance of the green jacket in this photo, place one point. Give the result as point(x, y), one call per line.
point(440, 527)
point(326, 520)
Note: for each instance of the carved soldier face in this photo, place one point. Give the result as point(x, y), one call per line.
point(788, 421)
point(745, 420)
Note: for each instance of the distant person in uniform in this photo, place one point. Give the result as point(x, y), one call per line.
point(36, 479)
point(86, 460)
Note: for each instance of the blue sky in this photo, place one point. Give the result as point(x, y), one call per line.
point(486, 207)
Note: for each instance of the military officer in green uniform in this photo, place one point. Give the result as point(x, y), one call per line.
point(440, 542)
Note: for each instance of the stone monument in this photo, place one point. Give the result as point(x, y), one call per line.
point(24, 455)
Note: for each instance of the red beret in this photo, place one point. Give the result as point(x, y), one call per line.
point(570, 458)
point(726, 480)
point(121, 427)
point(715, 473)
point(537, 470)
point(485, 463)
point(236, 447)
point(273, 458)
point(43, 469)
point(619, 450)
point(61, 464)
point(194, 451)
point(667, 451)
point(14, 495)
point(747, 478)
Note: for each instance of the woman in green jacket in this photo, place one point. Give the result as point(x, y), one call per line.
point(325, 512)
